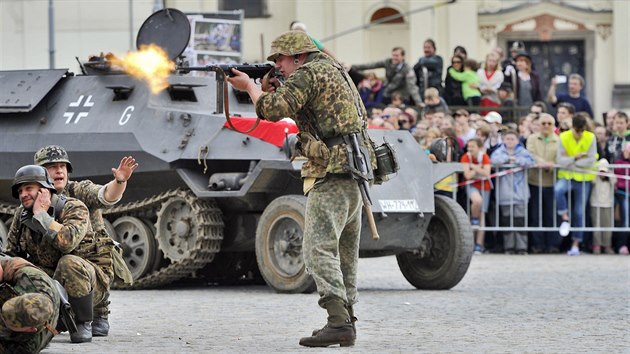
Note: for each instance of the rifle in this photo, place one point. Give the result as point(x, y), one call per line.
point(362, 179)
point(254, 71)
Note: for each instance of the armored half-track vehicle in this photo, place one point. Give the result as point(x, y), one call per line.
point(207, 201)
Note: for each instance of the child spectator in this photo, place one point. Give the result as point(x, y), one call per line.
point(429, 137)
point(620, 135)
point(490, 79)
point(476, 165)
point(397, 101)
point(449, 132)
point(405, 121)
point(601, 134)
point(371, 91)
point(622, 194)
point(413, 113)
point(506, 96)
point(602, 203)
point(494, 121)
point(512, 190)
point(391, 116)
point(433, 100)
point(447, 123)
point(474, 119)
point(483, 133)
point(421, 131)
point(564, 115)
point(462, 125)
point(470, 82)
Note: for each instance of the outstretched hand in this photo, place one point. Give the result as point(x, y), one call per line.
point(124, 171)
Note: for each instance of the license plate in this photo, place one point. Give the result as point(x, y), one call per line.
point(399, 205)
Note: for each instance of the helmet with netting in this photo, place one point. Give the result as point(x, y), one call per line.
point(31, 174)
point(28, 310)
point(52, 154)
point(291, 43)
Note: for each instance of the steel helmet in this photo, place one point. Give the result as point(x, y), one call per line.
point(291, 43)
point(439, 148)
point(51, 154)
point(31, 174)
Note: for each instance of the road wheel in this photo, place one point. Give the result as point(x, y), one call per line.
point(446, 251)
point(279, 245)
point(138, 244)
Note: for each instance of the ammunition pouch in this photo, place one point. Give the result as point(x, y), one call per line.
point(121, 271)
point(386, 162)
point(107, 256)
point(313, 149)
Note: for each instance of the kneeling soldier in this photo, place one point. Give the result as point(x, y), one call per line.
point(96, 197)
point(55, 234)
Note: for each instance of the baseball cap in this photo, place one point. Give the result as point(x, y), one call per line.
point(493, 117)
point(28, 310)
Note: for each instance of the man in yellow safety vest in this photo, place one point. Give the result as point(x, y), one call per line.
point(577, 153)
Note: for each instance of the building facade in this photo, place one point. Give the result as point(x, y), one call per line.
point(591, 37)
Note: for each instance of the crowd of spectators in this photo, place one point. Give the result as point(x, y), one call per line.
point(564, 164)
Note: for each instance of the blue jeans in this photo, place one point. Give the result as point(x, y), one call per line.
point(542, 203)
point(581, 192)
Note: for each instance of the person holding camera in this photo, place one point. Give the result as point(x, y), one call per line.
point(576, 84)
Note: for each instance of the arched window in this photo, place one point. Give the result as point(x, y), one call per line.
point(386, 12)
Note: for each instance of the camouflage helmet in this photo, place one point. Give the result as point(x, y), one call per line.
point(51, 154)
point(291, 43)
point(28, 310)
point(31, 174)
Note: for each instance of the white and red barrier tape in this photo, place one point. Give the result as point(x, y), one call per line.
point(518, 169)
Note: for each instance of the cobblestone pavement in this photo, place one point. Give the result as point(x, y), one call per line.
point(533, 304)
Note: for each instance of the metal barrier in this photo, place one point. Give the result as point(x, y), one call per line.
point(512, 175)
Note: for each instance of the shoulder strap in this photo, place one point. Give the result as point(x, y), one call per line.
point(61, 202)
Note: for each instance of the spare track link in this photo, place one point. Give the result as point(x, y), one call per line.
point(208, 219)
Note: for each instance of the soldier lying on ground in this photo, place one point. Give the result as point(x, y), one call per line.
point(54, 233)
point(30, 307)
point(95, 196)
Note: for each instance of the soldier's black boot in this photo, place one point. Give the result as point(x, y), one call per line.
point(100, 324)
point(82, 308)
point(352, 320)
point(338, 329)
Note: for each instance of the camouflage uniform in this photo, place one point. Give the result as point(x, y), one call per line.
point(93, 195)
point(65, 255)
point(36, 304)
point(325, 104)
